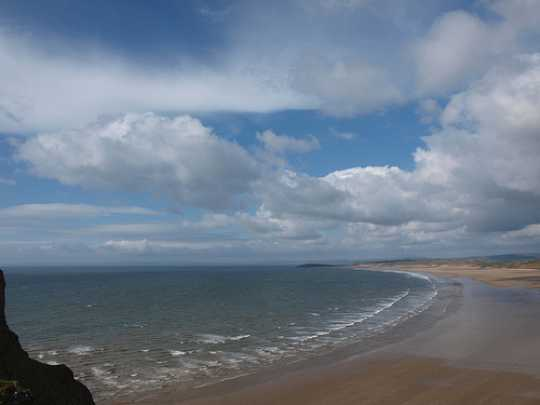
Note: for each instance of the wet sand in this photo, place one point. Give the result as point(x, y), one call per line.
point(485, 351)
point(406, 380)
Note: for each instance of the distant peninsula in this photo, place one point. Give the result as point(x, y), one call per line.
point(308, 265)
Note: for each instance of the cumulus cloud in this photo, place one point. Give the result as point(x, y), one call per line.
point(477, 175)
point(487, 148)
point(480, 169)
point(176, 157)
point(283, 143)
point(458, 48)
point(475, 184)
point(378, 195)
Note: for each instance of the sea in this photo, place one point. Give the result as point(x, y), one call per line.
point(127, 330)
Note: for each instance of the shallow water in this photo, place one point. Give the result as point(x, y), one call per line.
point(123, 332)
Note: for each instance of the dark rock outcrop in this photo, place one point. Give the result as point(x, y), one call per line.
point(49, 385)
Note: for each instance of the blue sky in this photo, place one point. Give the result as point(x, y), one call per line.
point(214, 131)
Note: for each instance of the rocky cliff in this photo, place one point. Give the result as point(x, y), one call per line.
point(49, 385)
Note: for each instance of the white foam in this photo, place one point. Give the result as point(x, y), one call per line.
point(81, 350)
point(315, 335)
point(340, 325)
point(235, 358)
point(218, 339)
point(134, 325)
point(411, 274)
point(107, 378)
point(176, 353)
point(269, 351)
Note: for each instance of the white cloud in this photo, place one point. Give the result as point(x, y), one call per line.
point(146, 228)
point(378, 195)
point(519, 14)
point(176, 157)
point(458, 48)
point(429, 111)
point(354, 58)
point(479, 170)
point(266, 226)
point(145, 246)
point(50, 91)
point(491, 131)
point(283, 143)
point(475, 187)
point(64, 211)
point(530, 232)
point(353, 61)
point(346, 88)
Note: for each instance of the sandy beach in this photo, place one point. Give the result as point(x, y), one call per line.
point(521, 275)
point(480, 348)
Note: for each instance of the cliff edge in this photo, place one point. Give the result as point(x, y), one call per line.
point(49, 385)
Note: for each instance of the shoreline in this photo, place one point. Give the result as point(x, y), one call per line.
point(474, 350)
point(446, 300)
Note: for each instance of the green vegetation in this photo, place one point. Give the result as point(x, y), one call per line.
point(7, 389)
point(521, 264)
point(11, 393)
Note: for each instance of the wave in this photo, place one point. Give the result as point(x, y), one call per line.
point(81, 350)
point(176, 353)
point(343, 325)
point(108, 378)
point(218, 339)
point(310, 337)
point(411, 274)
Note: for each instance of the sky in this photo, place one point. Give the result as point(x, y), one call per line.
point(218, 132)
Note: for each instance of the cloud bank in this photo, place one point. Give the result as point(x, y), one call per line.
point(475, 184)
point(478, 175)
point(344, 58)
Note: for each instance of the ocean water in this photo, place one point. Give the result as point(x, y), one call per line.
point(128, 331)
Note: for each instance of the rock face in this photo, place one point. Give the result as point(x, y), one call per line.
point(49, 385)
